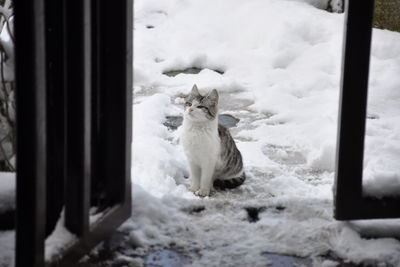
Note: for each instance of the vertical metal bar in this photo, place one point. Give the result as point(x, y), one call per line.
point(98, 185)
point(55, 111)
point(31, 132)
point(78, 82)
point(128, 103)
point(352, 110)
point(115, 98)
point(112, 47)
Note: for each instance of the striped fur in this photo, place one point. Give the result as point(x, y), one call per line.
point(229, 173)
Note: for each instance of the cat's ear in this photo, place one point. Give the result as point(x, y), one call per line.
point(213, 95)
point(195, 91)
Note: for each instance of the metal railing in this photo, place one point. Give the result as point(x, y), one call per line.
point(74, 122)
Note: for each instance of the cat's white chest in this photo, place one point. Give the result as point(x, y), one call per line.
point(200, 143)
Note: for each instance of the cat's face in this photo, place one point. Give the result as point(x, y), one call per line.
point(200, 108)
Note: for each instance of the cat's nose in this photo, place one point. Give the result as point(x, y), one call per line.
point(190, 109)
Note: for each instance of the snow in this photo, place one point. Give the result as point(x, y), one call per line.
point(167, 162)
point(7, 191)
point(276, 64)
point(59, 241)
point(382, 144)
point(7, 245)
point(386, 248)
point(281, 63)
point(7, 203)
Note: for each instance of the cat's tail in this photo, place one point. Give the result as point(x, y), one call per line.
point(230, 183)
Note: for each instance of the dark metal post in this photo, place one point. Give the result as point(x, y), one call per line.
point(353, 105)
point(350, 203)
point(31, 132)
point(55, 68)
point(111, 118)
point(78, 97)
point(115, 94)
point(55, 116)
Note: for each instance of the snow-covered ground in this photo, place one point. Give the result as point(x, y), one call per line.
point(276, 64)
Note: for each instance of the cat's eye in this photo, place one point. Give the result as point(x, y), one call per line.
point(187, 104)
point(202, 107)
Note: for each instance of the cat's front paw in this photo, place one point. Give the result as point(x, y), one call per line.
point(203, 192)
point(194, 188)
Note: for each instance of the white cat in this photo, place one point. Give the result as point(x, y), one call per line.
point(209, 148)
